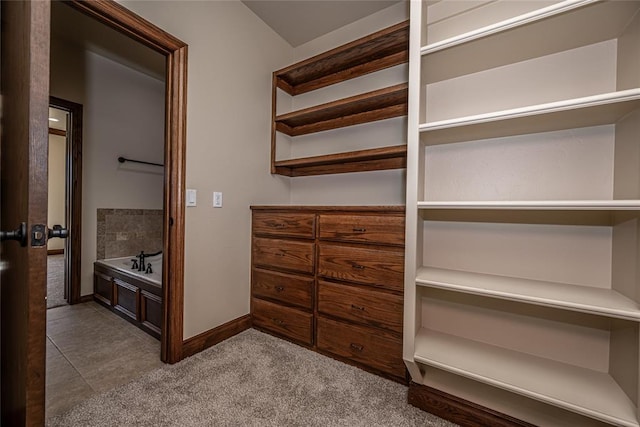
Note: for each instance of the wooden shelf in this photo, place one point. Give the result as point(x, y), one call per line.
point(353, 161)
point(594, 110)
point(377, 51)
point(368, 107)
point(585, 299)
point(587, 392)
point(531, 35)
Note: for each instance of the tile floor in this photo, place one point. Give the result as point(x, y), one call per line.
point(91, 350)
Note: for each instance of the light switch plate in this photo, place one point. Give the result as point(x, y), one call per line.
point(217, 199)
point(191, 197)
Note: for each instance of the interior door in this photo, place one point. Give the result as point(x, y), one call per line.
point(24, 85)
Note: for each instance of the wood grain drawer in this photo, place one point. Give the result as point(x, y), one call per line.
point(355, 228)
point(375, 267)
point(294, 324)
point(284, 224)
point(364, 306)
point(296, 290)
point(283, 254)
point(370, 347)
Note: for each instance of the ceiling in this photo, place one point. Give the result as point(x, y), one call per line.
point(303, 20)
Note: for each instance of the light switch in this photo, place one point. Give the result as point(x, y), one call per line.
point(191, 197)
point(217, 199)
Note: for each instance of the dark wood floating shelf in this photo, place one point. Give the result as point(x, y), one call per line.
point(394, 157)
point(383, 49)
point(368, 107)
point(386, 48)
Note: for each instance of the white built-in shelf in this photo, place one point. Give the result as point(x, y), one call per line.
point(593, 110)
point(584, 391)
point(586, 299)
point(569, 205)
point(556, 28)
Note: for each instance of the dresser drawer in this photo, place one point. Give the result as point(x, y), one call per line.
point(375, 267)
point(294, 324)
point(381, 229)
point(365, 306)
point(296, 290)
point(283, 254)
point(284, 224)
point(361, 344)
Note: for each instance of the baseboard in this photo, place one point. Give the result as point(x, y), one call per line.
point(55, 251)
point(457, 410)
point(86, 298)
point(214, 336)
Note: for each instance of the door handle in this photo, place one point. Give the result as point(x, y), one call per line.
point(58, 231)
point(19, 234)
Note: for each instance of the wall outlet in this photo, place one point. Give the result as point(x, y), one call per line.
point(191, 197)
point(217, 199)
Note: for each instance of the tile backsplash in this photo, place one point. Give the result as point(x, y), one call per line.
point(126, 232)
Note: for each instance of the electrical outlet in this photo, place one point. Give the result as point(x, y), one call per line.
point(217, 199)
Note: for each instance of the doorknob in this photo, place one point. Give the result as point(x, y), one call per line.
point(19, 234)
point(58, 231)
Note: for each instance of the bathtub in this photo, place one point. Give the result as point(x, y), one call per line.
point(133, 295)
point(124, 265)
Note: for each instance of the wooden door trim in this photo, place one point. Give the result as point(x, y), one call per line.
point(121, 19)
point(73, 198)
point(25, 92)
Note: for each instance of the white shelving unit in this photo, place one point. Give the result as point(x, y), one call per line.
point(521, 274)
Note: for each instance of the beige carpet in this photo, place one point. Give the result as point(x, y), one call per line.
point(253, 379)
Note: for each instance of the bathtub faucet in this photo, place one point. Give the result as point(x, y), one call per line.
point(141, 261)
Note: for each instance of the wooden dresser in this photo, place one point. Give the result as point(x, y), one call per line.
point(331, 278)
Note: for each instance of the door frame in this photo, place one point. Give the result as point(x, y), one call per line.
point(73, 198)
point(130, 24)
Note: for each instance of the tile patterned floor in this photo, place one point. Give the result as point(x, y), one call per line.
point(91, 350)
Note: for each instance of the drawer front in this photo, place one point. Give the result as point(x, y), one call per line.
point(375, 267)
point(363, 228)
point(283, 254)
point(292, 323)
point(284, 224)
point(368, 307)
point(361, 344)
point(296, 290)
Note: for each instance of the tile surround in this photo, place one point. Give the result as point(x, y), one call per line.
point(125, 232)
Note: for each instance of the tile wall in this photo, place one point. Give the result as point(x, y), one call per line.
point(125, 232)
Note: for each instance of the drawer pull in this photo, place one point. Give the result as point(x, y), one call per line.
point(356, 347)
point(359, 230)
point(357, 307)
point(277, 322)
point(358, 266)
point(279, 288)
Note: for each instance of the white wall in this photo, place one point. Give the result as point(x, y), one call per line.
point(360, 188)
point(232, 54)
point(123, 116)
point(56, 187)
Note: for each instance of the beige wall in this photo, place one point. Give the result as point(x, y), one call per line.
point(363, 188)
point(56, 192)
point(232, 54)
point(123, 116)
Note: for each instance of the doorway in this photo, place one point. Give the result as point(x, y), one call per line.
point(121, 19)
point(65, 129)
